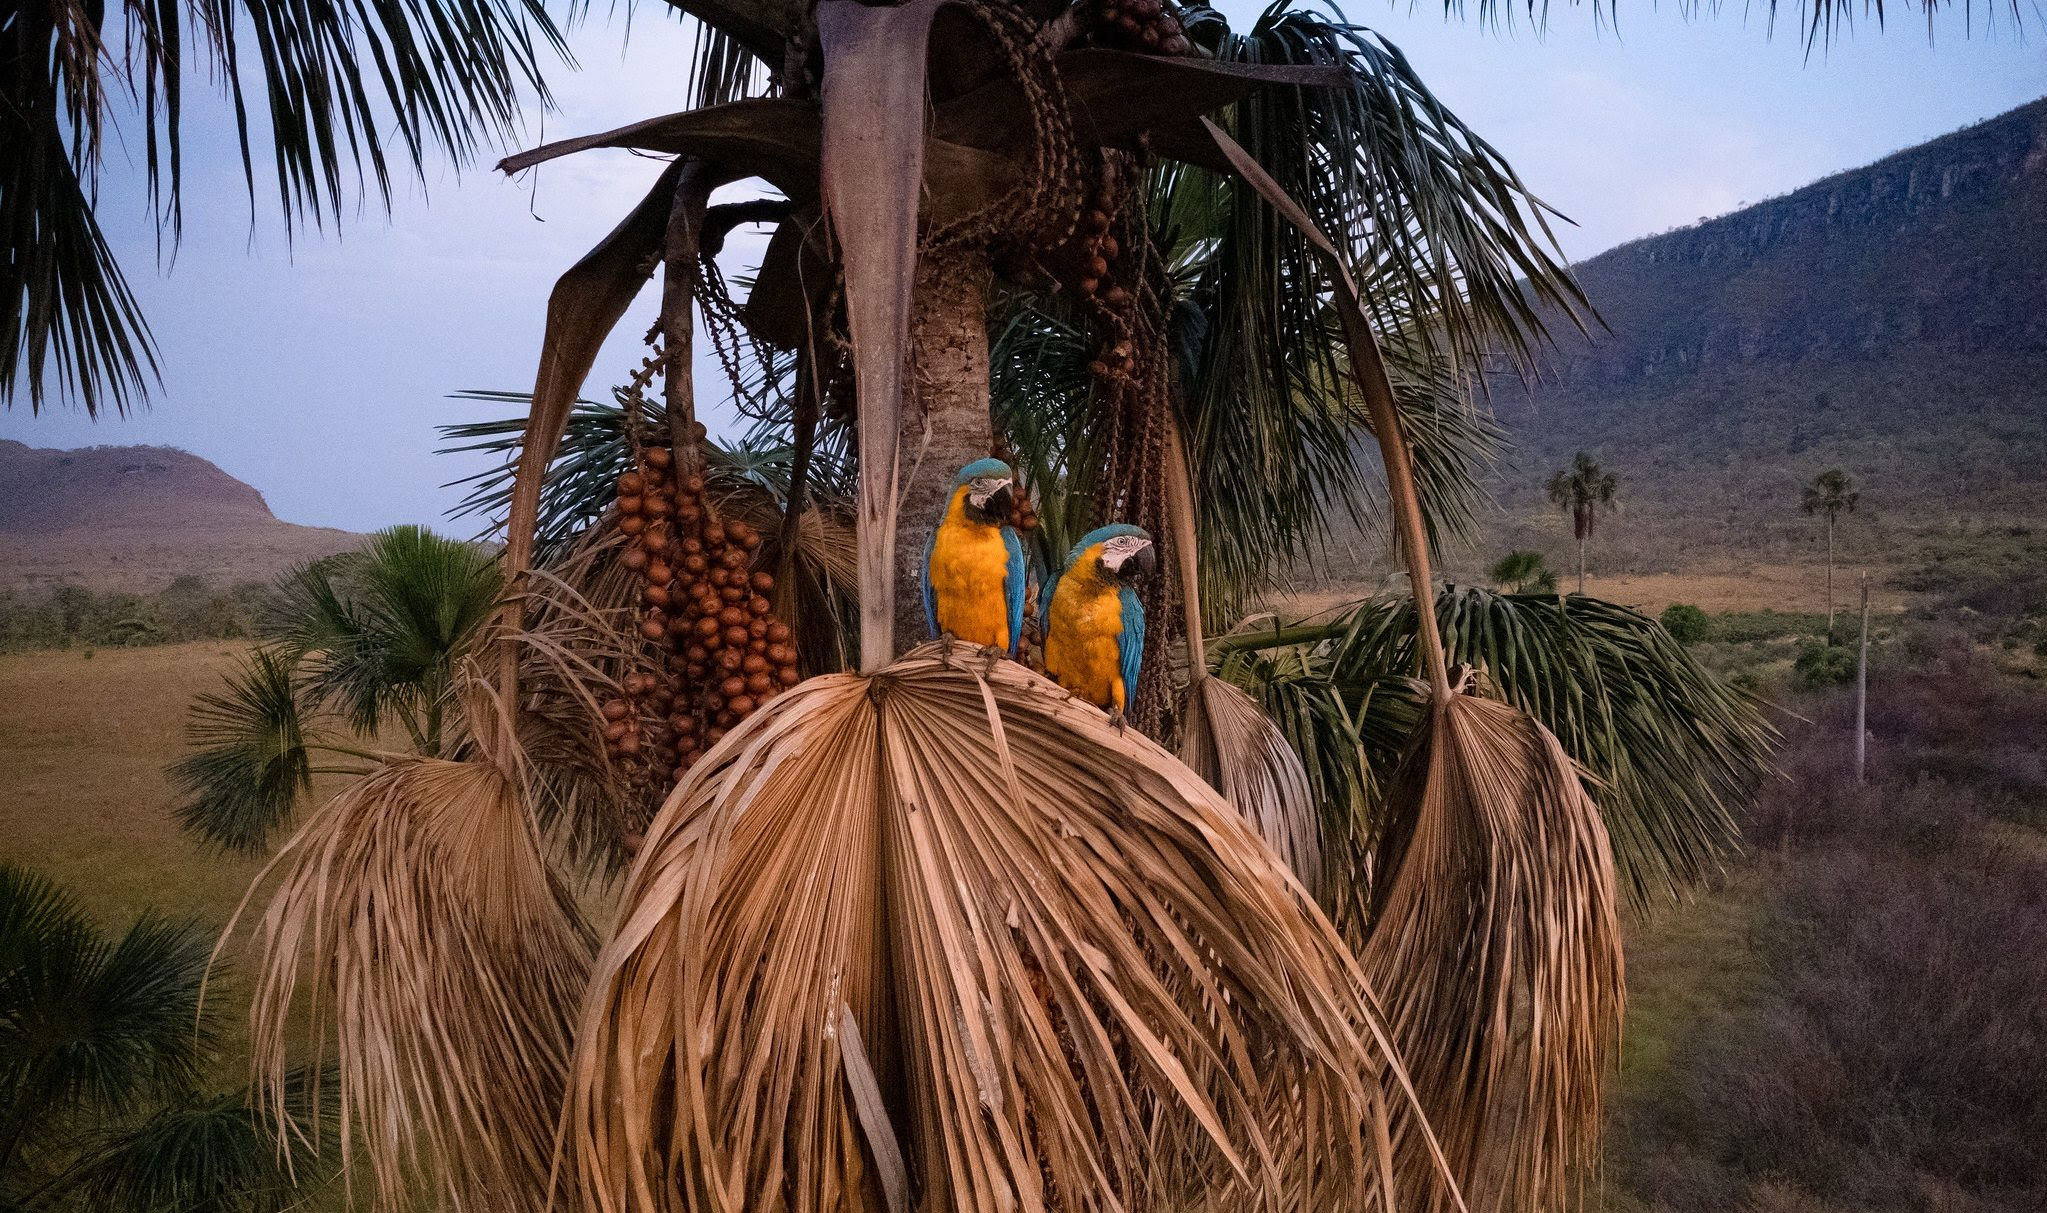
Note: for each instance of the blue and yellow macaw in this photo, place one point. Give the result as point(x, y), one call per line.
point(974, 565)
point(1094, 625)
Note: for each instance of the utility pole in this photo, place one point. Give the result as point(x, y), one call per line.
point(1862, 688)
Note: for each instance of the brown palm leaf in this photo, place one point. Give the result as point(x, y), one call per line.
point(1496, 926)
point(431, 945)
point(1225, 736)
point(1497, 944)
point(943, 937)
point(1227, 739)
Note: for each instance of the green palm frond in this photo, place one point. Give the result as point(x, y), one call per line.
point(90, 1023)
point(1818, 20)
point(425, 597)
point(421, 600)
point(1441, 229)
point(1668, 747)
point(1349, 735)
point(249, 766)
point(73, 327)
point(210, 1152)
point(332, 95)
point(582, 480)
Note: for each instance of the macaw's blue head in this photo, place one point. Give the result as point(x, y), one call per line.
point(1126, 551)
point(990, 486)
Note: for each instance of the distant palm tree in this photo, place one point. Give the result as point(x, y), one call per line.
point(1580, 490)
point(1831, 493)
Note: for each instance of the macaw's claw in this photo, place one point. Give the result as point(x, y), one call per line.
point(945, 642)
point(1118, 721)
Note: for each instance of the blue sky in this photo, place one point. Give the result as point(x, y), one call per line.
point(316, 370)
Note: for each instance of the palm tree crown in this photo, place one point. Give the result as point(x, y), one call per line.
point(1830, 493)
point(104, 1049)
point(1581, 490)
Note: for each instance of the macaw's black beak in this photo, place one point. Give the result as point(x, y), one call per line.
point(999, 503)
point(1141, 563)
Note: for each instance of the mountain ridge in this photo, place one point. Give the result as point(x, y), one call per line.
point(1891, 320)
point(136, 517)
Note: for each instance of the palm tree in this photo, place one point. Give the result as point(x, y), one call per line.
point(103, 1055)
point(352, 646)
point(1831, 493)
point(1581, 491)
point(1046, 945)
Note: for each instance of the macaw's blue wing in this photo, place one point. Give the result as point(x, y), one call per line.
point(930, 596)
point(1013, 587)
point(1130, 644)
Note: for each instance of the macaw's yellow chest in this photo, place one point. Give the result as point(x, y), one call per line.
point(1082, 633)
point(969, 566)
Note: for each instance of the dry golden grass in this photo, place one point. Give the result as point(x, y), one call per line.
point(1776, 587)
point(83, 795)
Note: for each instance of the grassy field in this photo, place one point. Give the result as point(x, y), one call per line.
point(84, 799)
point(83, 794)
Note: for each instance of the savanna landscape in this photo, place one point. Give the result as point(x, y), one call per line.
point(1129, 633)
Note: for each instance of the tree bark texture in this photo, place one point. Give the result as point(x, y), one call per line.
point(945, 424)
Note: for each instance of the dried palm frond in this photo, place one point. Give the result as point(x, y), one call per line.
point(436, 952)
point(1496, 928)
point(1497, 946)
point(944, 936)
point(1229, 741)
point(576, 645)
point(1225, 736)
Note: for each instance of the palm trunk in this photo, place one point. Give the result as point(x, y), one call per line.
point(1830, 577)
point(1581, 564)
point(1186, 533)
point(945, 424)
point(680, 252)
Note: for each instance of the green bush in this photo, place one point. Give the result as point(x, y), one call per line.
point(1749, 627)
point(1686, 623)
point(1824, 665)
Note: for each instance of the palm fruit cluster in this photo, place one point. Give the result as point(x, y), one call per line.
point(1089, 260)
point(1023, 515)
point(1136, 25)
point(706, 616)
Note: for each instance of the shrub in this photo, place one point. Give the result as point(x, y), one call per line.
point(1823, 665)
point(1884, 1049)
point(1686, 623)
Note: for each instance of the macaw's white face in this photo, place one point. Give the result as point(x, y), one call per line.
point(1128, 557)
point(989, 497)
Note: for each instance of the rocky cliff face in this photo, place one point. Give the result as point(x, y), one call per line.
point(1891, 320)
point(1944, 243)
